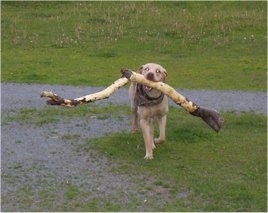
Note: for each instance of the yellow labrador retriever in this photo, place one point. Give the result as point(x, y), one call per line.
point(149, 105)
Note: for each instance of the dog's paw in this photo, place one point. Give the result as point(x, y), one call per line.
point(134, 130)
point(159, 141)
point(148, 157)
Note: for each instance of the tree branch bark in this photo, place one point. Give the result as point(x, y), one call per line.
point(106, 93)
point(210, 116)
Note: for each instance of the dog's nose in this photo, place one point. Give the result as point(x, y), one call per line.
point(150, 76)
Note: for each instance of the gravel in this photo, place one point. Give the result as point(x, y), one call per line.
point(16, 96)
point(42, 158)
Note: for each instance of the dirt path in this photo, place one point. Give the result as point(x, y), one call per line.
point(39, 162)
point(15, 96)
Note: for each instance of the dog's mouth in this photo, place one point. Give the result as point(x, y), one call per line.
point(150, 77)
point(148, 89)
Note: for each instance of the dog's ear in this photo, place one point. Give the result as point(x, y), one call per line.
point(165, 75)
point(140, 69)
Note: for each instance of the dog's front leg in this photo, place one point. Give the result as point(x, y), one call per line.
point(148, 138)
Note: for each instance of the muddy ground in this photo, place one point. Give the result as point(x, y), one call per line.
point(37, 160)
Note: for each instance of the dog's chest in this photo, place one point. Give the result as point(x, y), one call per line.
point(154, 111)
point(142, 98)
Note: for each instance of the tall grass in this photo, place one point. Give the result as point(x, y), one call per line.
point(217, 45)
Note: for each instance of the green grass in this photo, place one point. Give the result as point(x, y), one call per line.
point(216, 172)
point(203, 45)
point(195, 170)
point(56, 114)
point(213, 45)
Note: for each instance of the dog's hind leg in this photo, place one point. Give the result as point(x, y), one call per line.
point(162, 130)
point(151, 124)
point(134, 127)
point(134, 108)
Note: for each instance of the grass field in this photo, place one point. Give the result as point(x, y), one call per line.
point(213, 45)
point(219, 172)
point(196, 170)
point(203, 45)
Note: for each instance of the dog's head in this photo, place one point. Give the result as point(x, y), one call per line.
point(153, 72)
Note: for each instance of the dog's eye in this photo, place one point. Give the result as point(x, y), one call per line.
point(157, 71)
point(146, 69)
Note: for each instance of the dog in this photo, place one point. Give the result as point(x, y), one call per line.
point(149, 105)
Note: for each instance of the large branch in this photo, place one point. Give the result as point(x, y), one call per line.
point(210, 116)
point(106, 93)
